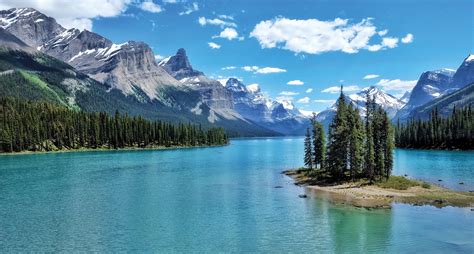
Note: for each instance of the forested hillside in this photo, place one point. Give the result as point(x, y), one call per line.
point(43, 126)
point(438, 132)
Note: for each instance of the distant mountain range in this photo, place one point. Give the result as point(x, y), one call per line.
point(40, 59)
point(171, 87)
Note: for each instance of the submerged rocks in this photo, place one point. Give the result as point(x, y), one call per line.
point(302, 196)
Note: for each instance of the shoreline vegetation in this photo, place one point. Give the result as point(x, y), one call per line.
point(362, 193)
point(106, 149)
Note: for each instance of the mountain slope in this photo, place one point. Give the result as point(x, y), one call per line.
point(252, 104)
point(445, 104)
point(436, 84)
point(126, 71)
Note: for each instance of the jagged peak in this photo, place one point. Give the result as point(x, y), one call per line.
point(469, 58)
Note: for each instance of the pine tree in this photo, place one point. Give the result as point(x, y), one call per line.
point(308, 155)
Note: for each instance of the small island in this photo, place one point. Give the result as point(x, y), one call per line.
point(397, 189)
point(354, 166)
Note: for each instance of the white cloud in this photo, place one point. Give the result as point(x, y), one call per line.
point(337, 89)
point(295, 82)
point(229, 34)
point(228, 68)
point(77, 14)
point(304, 100)
point(170, 1)
point(158, 57)
point(149, 6)
point(214, 45)
point(397, 84)
point(382, 32)
point(264, 70)
point(253, 87)
point(284, 98)
point(216, 22)
point(309, 90)
point(189, 9)
point(81, 24)
point(371, 76)
point(226, 17)
point(387, 42)
point(408, 38)
point(288, 93)
point(325, 101)
point(313, 36)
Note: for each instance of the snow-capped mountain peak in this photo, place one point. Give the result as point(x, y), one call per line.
point(469, 58)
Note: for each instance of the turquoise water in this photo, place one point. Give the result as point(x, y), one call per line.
point(215, 199)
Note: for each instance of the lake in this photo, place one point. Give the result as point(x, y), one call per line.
point(216, 199)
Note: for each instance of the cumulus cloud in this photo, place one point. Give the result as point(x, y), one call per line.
point(214, 45)
point(158, 57)
point(229, 34)
point(228, 68)
point(408, 38)
point(387, 42)
point(149, 6)
point(216, 22)
point(337, 89)
point(313, 36)
point(264, 70)
point(189, 9)
point(382, 32)
point(371, 76)
point(397, 84)
point(309, 90)
point(77, 14)
point(296, 82)
point(304, 100)
point(288, 93)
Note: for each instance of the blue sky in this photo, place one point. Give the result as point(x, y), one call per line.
point(320, 43)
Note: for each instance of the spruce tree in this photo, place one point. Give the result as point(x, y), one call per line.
point(308, 154)
point(356, 142)
point(369, 139)
point(319, 144)
point(337, 161)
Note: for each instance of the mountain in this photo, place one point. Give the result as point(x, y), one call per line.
point(387, 101)
point(280, 116)
point(129, 72)
point(436, 84)
point(430, 85)
point(445, 104)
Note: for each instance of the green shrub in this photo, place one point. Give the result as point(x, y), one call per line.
point(397, 183)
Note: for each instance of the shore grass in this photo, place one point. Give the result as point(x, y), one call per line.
point(107, 149)
point(379, 194)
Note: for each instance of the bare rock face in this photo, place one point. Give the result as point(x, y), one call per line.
point(30, 26)
point(213, 93)
point(129, 67)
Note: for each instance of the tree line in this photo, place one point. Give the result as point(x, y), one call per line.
point(455, 131)
point(43, 126)
point(356, 148)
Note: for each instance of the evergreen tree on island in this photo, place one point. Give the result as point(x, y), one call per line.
point(354, 151)
point(308, 154)
point(319, 143)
